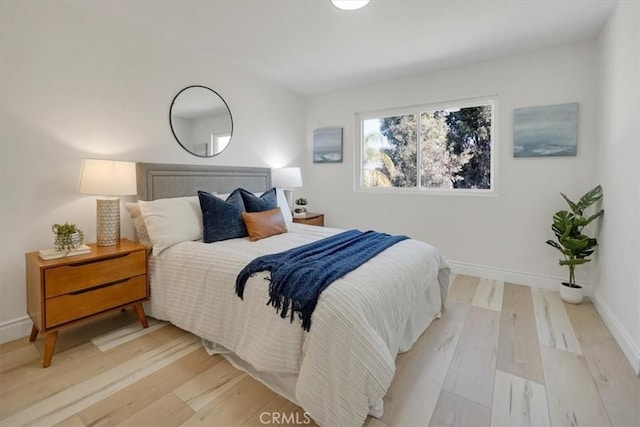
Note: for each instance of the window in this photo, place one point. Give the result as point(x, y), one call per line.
point(436, 147)
point(222, 141)
point(217, 143)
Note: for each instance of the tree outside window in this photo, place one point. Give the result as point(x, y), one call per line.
point(447, 148)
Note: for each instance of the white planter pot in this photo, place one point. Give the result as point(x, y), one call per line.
point(299, 211)
point(571, 295)
point(67, 242)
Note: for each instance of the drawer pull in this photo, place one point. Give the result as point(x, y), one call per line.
point(81, 263)
point(105, 285)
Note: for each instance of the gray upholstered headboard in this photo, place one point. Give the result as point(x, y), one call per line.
point(163, 180)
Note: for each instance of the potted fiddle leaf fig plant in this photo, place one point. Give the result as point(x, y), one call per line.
point(571, 240)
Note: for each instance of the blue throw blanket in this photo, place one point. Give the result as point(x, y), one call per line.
point(299, 275)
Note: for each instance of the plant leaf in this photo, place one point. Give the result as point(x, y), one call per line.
point(573, 206)
point(576, 261)
point(586, 221)
point(575, 245)
point(562, 221)
point(590, 198)
point(555, 245)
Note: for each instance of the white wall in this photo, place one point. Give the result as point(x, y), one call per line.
point(76, 85)
point(500, 236)
point(617, 295)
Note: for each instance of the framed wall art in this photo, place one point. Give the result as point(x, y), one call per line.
point(327, 145)
point(546, 131)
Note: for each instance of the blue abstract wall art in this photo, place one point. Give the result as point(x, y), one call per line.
point(327, 145)
point(546, 131)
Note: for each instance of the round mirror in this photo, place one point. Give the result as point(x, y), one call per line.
point(201, 121)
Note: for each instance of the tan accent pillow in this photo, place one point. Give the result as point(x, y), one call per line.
point(264, 224)
point(138, 223)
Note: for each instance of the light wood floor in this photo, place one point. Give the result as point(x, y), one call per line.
point(502, 354)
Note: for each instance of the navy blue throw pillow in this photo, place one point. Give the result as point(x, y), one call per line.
point(222, 220)
point(252, 203)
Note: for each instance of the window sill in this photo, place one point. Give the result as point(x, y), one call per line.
point(427, 192)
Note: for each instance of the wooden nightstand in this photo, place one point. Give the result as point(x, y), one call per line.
point(311, 218)
point(64, 291)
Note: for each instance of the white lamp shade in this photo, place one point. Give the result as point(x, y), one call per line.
point(286, 177)
point(108, 178)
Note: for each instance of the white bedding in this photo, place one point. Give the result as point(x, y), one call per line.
point(345, 363)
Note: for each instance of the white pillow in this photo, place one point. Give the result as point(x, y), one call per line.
point(283, 205)
point(171, 221)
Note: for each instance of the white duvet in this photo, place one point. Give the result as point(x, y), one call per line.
point(345, 363)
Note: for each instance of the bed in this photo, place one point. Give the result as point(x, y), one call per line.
point(340, 369)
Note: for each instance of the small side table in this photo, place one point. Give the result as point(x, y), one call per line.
point(64, 291)
point(310, 218)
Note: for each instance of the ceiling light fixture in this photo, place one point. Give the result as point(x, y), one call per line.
point(349, 4)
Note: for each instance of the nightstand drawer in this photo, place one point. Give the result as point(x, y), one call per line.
point(76, 305)
point(319, 220)
point(76, 277)
point(311, 219)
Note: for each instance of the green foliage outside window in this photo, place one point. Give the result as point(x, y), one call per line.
point(455, 149)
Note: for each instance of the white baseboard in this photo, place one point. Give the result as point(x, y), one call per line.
point(517, 277)
point(15, 328)
point(629, 348)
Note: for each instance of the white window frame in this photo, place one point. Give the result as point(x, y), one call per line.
point(417, 109)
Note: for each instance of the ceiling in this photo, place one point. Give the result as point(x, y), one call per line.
point(311, 47)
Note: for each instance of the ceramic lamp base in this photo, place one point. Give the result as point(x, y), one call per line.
point(108, 222)
point(288, 194)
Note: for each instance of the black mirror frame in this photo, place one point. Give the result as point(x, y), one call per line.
point(174, 132)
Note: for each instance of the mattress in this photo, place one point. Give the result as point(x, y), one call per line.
point(340, 370)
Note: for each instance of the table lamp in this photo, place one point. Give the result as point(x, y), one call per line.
point(287, 179)
point(108, 178)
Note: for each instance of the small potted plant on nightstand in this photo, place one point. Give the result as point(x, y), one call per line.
point(68, 237)
point(301, 207)
point(575, 246)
